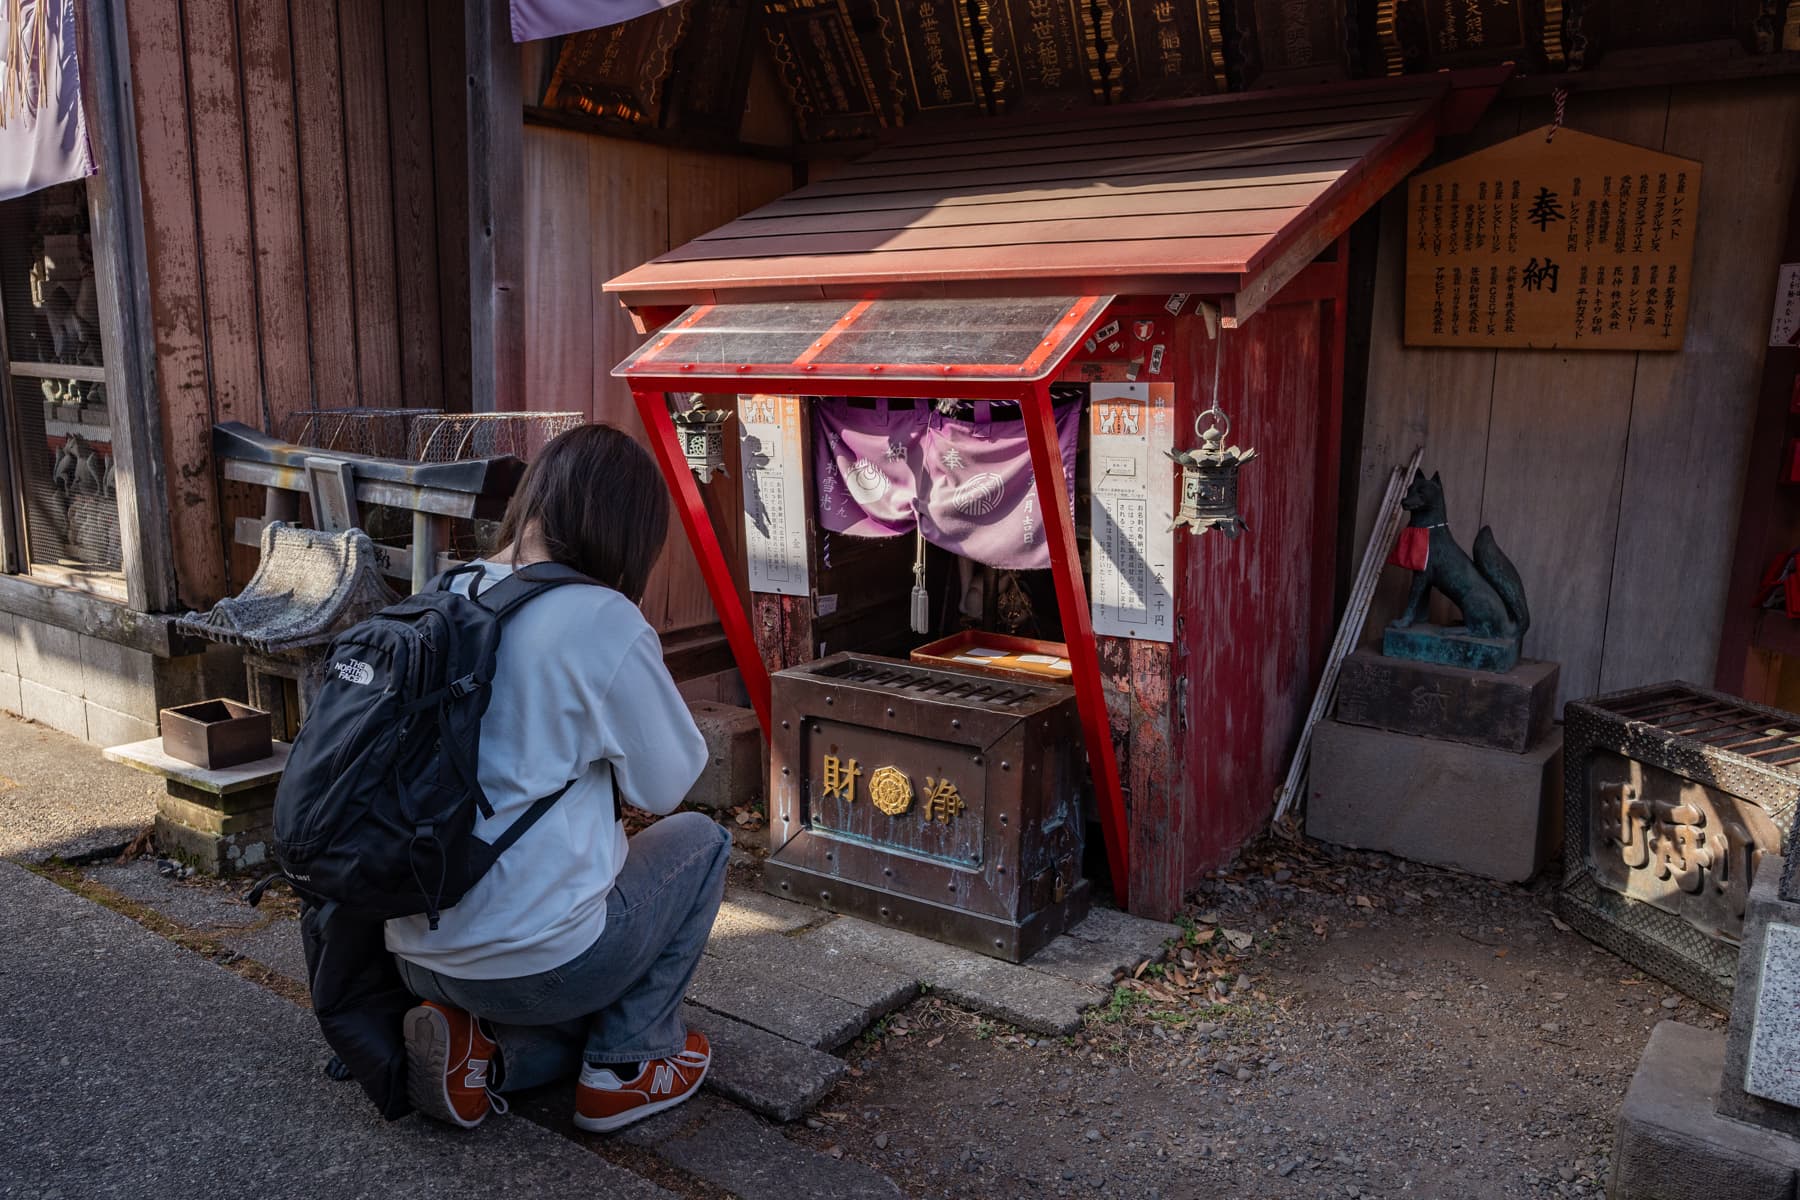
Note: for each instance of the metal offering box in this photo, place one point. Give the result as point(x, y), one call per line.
point(943, 802)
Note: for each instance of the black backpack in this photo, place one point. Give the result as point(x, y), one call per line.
point(375, 814)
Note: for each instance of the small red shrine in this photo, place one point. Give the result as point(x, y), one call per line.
point(1152, 262)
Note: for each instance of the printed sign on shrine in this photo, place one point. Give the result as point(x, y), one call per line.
point(1571, 242)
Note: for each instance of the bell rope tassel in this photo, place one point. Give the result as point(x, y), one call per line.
point(921, 598)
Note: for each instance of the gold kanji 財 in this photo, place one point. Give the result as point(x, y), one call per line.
point(840, 778)
point(942, 800)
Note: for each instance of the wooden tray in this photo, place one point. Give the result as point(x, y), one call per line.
point(999, 654)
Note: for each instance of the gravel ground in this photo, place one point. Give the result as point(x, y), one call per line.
point(1351, 1025)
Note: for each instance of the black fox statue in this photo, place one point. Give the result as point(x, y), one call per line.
point(1486, 587)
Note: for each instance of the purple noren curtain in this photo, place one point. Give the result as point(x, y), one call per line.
point(533, 19)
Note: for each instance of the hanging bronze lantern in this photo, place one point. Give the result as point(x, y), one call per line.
point(1209, 479)
point(702, 433)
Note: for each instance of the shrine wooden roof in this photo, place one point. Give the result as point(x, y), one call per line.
point(1223, 195)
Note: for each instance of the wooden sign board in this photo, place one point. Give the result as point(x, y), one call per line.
point(1168, 48)
point(1576, 243)
point(937, 46)
point(1044, 58)
point(618, 71)
point(830, 74)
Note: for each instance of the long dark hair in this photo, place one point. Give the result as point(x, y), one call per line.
point(598, 502)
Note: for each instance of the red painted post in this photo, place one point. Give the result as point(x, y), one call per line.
point(1078, 632)
point(690, 506)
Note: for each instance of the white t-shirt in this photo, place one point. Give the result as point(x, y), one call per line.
point(579, 690)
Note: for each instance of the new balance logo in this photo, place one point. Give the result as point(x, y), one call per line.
point(477, 1076)
point(664, 1080)
point(355, 671)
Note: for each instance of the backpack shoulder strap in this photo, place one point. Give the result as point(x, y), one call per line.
point(526, 582)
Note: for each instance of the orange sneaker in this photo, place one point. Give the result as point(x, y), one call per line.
point(604, 1102)
point(449, 1058)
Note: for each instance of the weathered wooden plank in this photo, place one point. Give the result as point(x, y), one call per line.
point(495, 244)
point(1422, 396)
point(369, 176)
point(324, 200)
point(1014, 228)
point(171, 251)
point(274, 167)
point(1029, 206)
point(1141, 687)
point(1555, 459)
point(448, 99)
point(628, 197)
point(559, 272)
point(1692, 412)
point(415, 203)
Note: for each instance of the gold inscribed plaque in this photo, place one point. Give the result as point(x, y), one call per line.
point(1575, 243)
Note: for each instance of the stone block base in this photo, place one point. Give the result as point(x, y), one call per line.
point(1774, 999)
point(1506, 710)
point(1453, 647)
point(734, 773)
point(216, 853)
point(1478, 810)
point(1672, 1145)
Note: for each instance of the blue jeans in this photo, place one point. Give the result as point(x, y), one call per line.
point(619, 1001)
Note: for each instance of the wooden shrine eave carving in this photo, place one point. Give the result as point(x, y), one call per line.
point(1227, 196)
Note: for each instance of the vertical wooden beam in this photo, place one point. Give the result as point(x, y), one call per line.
point(415, 208)
point(449, 102)
point(1078, 631)
point(496, 246)
point(690, 506)
point(122, 279)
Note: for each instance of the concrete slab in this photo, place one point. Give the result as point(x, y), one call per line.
point(198, 906)
point(782, 1005)
point(137, 1069)
point(58, 797)
point(732, 1150)
point(1030, 999)
point(747, 911)
point(1762, 1045)
point(276, 946)
point(775, 1077)
point(734, 769)
point(1672, 1145)
point(875, 988)
point(1096, 949)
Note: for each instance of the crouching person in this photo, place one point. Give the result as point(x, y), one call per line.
point(571, 955)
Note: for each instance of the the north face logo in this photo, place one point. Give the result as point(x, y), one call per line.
point(355, 671)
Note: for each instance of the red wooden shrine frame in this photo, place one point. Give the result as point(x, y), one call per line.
point(650, 394)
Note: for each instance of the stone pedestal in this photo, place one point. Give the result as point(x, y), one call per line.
point(1502, 710)
point(734, 773)
point(1484, 811)
point(1761, 1079)
point(220, 821)
point(1719, 1118)
point(1450, 646)
point(1674, 1145)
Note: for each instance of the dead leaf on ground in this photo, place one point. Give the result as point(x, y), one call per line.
point(1238, 939)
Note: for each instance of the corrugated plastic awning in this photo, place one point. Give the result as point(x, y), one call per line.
point(1227, 196)
point(1017, 340)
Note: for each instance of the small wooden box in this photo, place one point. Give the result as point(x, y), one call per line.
point(215, 734)
point(942, 802)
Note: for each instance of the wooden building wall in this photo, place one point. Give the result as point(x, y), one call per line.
point(303, 242)
point(596, 207)
point(1612, 479)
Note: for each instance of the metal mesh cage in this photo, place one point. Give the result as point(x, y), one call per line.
point(377, 432)
point(452, 437)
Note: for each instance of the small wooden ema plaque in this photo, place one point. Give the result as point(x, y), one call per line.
point(1574, 242)
point(830, 74)
point(937, 47)
point(1043, 55)
point(618, 71)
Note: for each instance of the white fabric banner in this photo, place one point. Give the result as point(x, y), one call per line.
point(43, 131)
point(532, 19)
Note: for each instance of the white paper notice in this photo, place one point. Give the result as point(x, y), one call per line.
point(1132, 484)
point(1784, 328)
point(772, 432)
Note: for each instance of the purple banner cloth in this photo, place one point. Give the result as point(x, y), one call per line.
point(43, 132)
point(979, 498)
point(866, 466)
point(532, 19)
